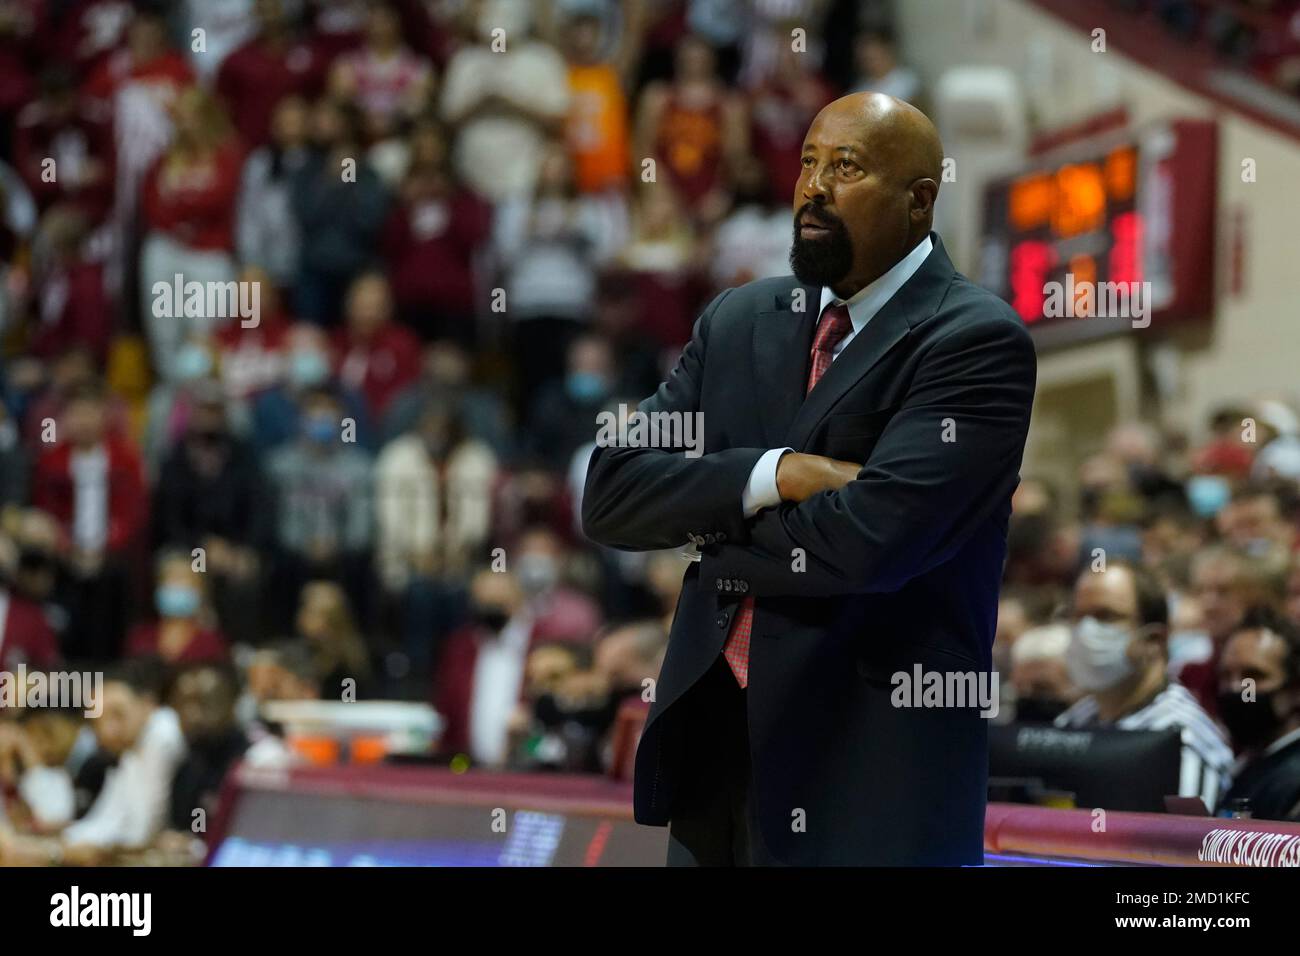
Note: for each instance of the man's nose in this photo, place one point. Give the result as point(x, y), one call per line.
point(814, 189)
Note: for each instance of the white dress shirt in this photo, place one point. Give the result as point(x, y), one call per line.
point(132, 806)
point(760, 491)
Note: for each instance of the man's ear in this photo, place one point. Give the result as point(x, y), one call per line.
point(924, 193)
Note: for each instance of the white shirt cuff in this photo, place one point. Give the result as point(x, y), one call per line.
point(760, 491)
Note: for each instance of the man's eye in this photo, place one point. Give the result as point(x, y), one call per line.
point(847, 166)
point(807, 161)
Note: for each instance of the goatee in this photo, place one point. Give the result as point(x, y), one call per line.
point(826, 259)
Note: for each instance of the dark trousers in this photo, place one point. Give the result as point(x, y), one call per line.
point(713, 821)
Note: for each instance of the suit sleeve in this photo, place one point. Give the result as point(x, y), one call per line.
point(640, 498)
point(947, 459)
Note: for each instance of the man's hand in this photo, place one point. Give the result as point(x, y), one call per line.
point(800, 477)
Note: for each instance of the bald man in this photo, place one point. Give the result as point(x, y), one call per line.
point(864, 421)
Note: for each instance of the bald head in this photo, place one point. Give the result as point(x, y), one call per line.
point(907, 140)
point(865, 197)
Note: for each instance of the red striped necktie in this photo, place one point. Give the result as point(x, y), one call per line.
point(832, 327)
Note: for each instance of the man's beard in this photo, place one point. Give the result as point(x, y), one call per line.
point(825, 260)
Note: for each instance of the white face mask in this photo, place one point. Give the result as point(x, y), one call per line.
point(1097, 657)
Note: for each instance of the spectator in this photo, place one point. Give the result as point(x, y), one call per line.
point(146, 741)
point(203, 697)
point(564, 416)
point(433, 239)
point(339, 656)
point(1227, 453)
point(693, 127)
point(38, 579)
point(662, 255)
point(1224, 583)
point(1117, 658)
point(1259, 703)
point(549, 246)
point(340, 205)
point(184, 631)
point(141, 81)
point(90, 31)
point(26, 637)
point(782, 108)
point(629, 656)
point(598, 135)
point(92, 483)
point(71, 305)
point(74, 134)
point(446, 375)
point(504, 98)
point(172, 402)
point(272, 66)
point(377, 357)
point(252, 360)
point(558, 611)
point(210, 494)
point(276, 412)
point(480, 677)
point(384, 77)
point(188, 201)
point(266, 226)
point(35, 753)
point(1040, 678)
point(753, 242)
point(433, 507)
point(322, 487)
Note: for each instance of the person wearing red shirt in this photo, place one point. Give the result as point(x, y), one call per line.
point(90, 31)
point(272, 65)
point(188, 203)
point(92, 483)
point(181, 633)
point(430, 242)
point(25, 635)
point(376, 356)
point(146, 58)
point(72, 306)
point(77, 136)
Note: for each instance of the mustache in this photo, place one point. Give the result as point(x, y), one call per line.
point(816, 216)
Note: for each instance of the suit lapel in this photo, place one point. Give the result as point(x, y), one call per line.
point(782, 339)
point(919, 298)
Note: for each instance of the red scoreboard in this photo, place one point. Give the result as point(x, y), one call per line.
point(1130, 211)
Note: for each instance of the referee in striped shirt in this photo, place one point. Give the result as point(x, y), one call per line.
point(1118, 657)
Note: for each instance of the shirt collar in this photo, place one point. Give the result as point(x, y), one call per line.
point(870, 299)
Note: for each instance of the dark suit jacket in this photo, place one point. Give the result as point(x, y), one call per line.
point(899, 568)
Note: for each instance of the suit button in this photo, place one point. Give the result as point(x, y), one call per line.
point(719, 584)
point(710, 538)
point(721, 537)
point(742, 586)
point(722, 619)
point(726, 585)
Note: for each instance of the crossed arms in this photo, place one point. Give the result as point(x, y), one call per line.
point(941, 466)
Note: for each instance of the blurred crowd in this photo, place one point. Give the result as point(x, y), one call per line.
point(1259, 36)
point(1166, 593)
point(431, 241)
point(456, 231)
